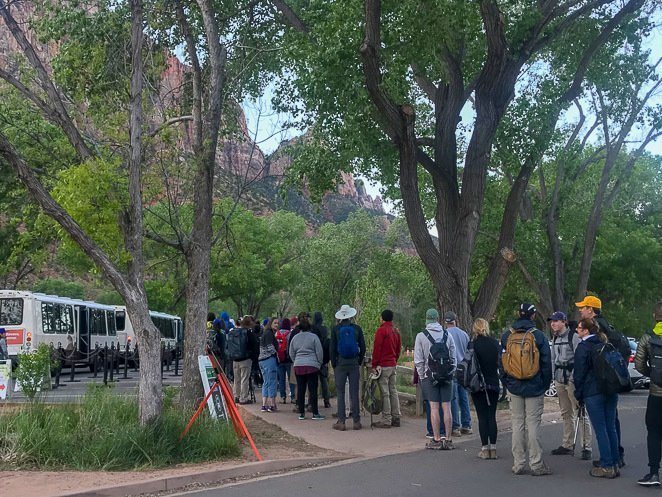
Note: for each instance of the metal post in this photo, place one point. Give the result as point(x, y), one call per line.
point(72, 377)
point(162, 354)
point(95, 360)
point(117, 362)
point(177, 360)
point(105, 364)
point(126, 360)
point(168, 357)
point(135, 357)
point(112, 361)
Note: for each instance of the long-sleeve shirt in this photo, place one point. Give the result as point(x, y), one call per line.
point(306, 350)
point(386, 351)
point(336, 359)
point(422, 348)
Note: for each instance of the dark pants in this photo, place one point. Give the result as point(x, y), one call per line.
point(654, 428)
point(324, 382)
point(487, 425)
point(621, 450)
point(343, 373)
point(310, 381)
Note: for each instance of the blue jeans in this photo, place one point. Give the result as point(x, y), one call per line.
point(429, 421)
point(285, 372)
point(601, 410)
point(269, 368)
point(460, 407)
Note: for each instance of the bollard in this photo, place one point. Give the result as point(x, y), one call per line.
point(162, 354)
point(177, 360)
point(167, 357)
point(73, 369)
point(59, 366)
point(126, 360)
point(105, 365)
point(95, 361)
point(135, 357)
point(117, 362)
point(112, 361)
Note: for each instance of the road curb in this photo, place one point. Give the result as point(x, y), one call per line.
point(252, 469)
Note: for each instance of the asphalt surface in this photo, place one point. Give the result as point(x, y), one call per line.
point(460, 473)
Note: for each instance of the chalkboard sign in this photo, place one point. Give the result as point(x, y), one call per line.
point(216, 402)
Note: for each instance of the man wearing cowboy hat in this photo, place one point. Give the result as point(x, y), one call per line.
point(347, 353)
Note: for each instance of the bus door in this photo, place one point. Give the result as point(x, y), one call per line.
point(82, 319)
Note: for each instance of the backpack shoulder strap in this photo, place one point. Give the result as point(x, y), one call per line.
point(429, 336)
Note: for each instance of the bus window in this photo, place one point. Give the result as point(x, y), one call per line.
point(66, 319)
point(120, 320)
point(111, 323)
point(97, 322)
point(57, 318)
point(11, 311)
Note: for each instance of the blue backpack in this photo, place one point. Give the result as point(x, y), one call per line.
point(611, 370)
point(348, 345)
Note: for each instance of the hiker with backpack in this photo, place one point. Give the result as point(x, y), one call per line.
point(591, 308)
point(268, 361)
point(385, 355)
point(460, 410)
point(284, 362)
point(564, 344)
point(434, 358)
point(305, 349)
point(526, 366)
point(347, 354)
point(595, 394)
point(484, 350)
point(648, 361)
point(239, 347)
point(323, 334)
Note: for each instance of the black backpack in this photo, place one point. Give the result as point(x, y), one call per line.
point(440, 366)
point(615, 337)
point(655, 360)
point(610, 370)
point(468, 373)
point(236, 344)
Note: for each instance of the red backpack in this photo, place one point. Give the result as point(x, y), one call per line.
point(281, 340)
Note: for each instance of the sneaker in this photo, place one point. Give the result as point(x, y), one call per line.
point(602, 472)
point(302, 416)
point(447, 444)
point(283, 400)
point(523, 470)
point(466, 431)
point(435, 445)
point(562, 451)
point(493, 454)
point(543, 470)
point(395, 422)
point(357, 425)
point(484, 454)
point(456, 433)
point(272, 409)
point(586, 455)
point(650, 480)
point(429, 435)
point(264, 409)
point(339, 425)
point(318, 417)
point(327, 404)
point(381, 424)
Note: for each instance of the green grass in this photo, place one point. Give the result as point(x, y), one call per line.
point(103, 433)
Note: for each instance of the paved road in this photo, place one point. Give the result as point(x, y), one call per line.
point(460, 474)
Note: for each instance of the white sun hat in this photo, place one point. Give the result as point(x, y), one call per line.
point(345, 312)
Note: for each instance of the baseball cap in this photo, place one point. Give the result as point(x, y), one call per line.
point(558, 316)
point(450, 317)
point(431, 316)
point(590, 301)
point(526, 309)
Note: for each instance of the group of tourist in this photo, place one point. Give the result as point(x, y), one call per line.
point(585, 361)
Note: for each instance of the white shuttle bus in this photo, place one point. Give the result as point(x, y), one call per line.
point(77, 325)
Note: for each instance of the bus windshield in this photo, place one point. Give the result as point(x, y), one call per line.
point(11, 311)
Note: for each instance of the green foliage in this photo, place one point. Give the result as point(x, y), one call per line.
point(61, 288)
point(34, 371)
point(103, 434)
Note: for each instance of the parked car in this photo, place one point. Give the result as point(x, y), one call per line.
point(638, 380)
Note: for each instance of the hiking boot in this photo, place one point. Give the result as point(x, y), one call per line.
point(493, 454)
point(339, 425)
point(381, 424)
point(447, 444)
point(466, 431)
point(523, 470)
point(434, 445)
point(562, 451)
point(543, 470)
point(650, 480)
point(602, 472)
point(456, 433)
point(484, 454)
point(586, 455)
point(395, 422)
point(318, 417)
point(357, 425)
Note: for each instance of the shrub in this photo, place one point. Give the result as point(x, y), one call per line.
point(103, 433)
point(33, 372)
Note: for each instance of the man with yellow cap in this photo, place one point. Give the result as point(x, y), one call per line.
point(591, 308)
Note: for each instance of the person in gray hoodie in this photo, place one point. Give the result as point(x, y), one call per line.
point(435, 392)
point(307, 355)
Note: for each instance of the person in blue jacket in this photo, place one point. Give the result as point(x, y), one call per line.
point(601, 408)
point(527, 399)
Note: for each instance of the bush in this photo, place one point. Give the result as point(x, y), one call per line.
point(34, 370)
point(103, 433)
